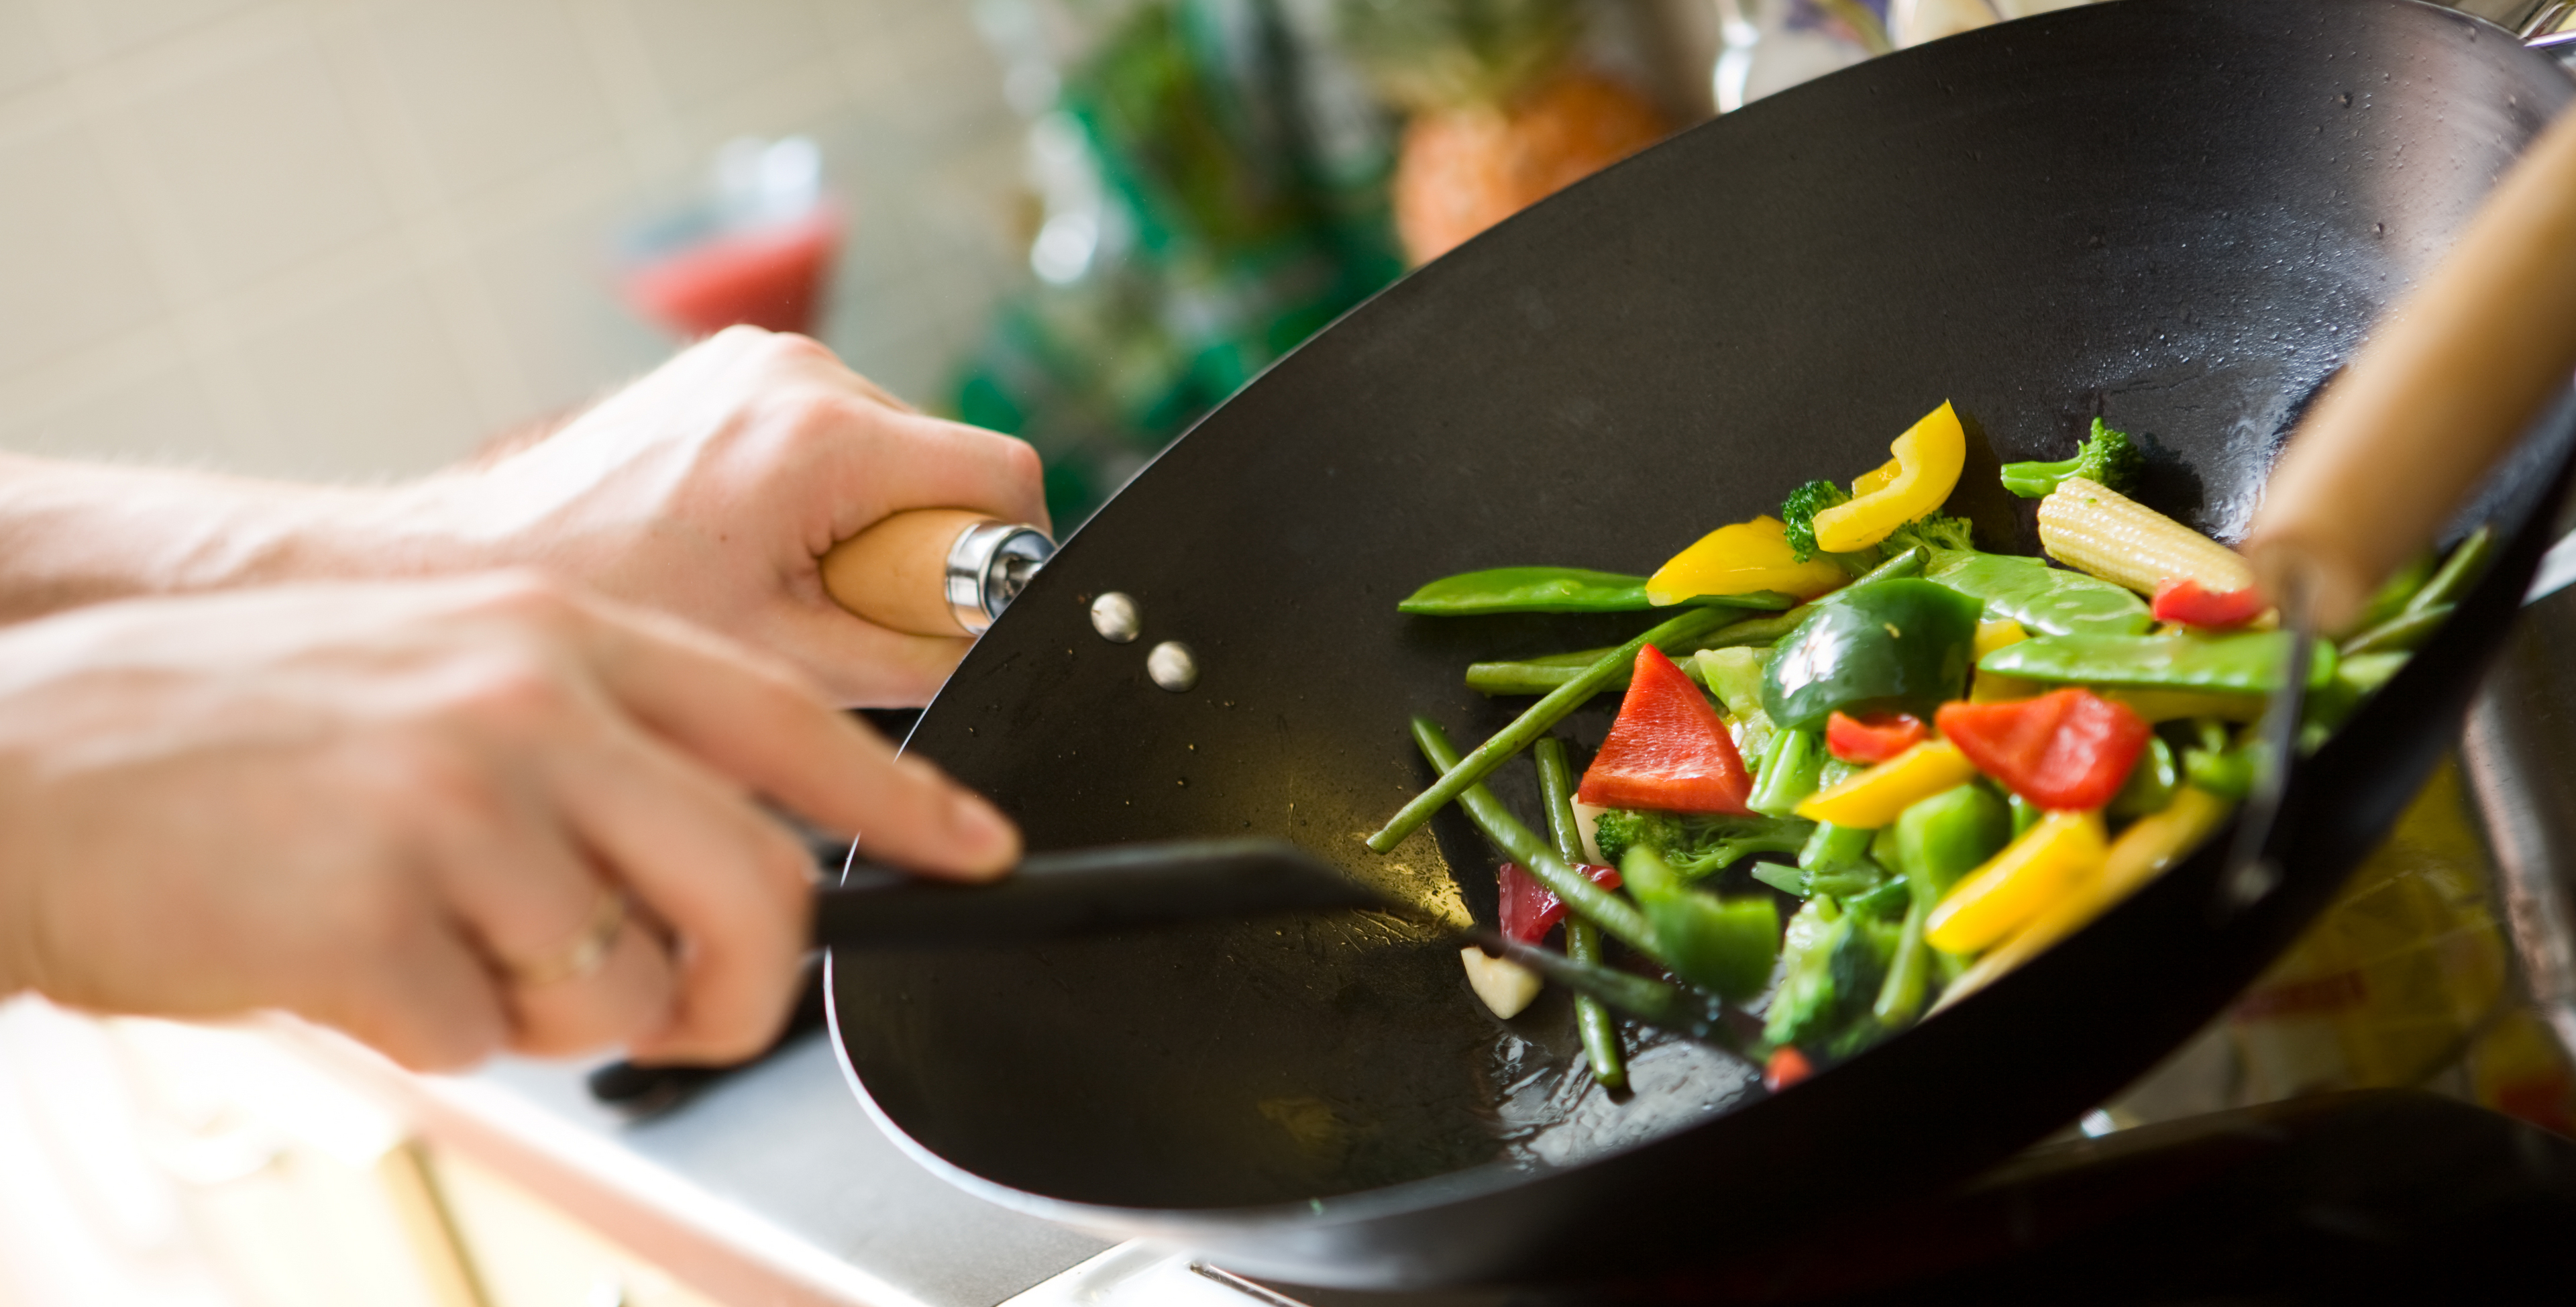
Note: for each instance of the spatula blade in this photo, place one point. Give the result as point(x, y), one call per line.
point(1083, 892)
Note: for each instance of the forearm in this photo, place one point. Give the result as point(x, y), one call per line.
point(74, 534)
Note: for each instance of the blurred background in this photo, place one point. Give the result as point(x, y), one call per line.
point(352, 239)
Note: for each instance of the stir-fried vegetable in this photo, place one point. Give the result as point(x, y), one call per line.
point(1898, 645)
point(1592, 1021)
point(2070, 749)
point(1947, 759)
point(1916, 482)
point(1746, 558)
point(2248, 662)
point(1668, 750)
point(1550, 590)
point(2106, 457)
point(2038, 598)
point(2089, 526)
point(1547, 712)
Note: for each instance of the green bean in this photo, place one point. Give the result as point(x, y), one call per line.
point(2403, 633)
point(1909, 563)
point(1592, 1021)
point(1534, 722)
point(1604, 908)
point(1788, 773)
point(2394, 594)
point(1549, 672)
point(2458, 572)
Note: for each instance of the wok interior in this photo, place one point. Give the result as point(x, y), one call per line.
point(2177, 215)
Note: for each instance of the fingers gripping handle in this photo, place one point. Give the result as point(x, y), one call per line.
point(934, 571)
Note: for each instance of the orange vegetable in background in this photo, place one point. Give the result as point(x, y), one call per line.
point(1463, 169)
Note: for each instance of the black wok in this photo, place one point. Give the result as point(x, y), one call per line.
point(2177, 213)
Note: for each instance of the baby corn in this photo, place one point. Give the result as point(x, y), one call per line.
point(2090, 526)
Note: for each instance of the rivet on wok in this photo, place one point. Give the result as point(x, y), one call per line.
point(1114, 615)
point(1172, 666)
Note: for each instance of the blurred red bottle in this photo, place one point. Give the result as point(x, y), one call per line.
point(759, 250)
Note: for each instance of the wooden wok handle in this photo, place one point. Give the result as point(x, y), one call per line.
point(2438, 393)
point(933, 571)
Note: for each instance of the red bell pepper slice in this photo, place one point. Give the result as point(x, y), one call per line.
point(2181, 599)
point(1530, 909)
point(1785, 1067)
point(1873, 739)
point(1668, 750)
point(2067, 750)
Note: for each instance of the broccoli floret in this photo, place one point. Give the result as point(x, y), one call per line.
point(1798, 513)
point(1935, 531)
point(2108, 457)
point(1835, 962)
point(1695, 845)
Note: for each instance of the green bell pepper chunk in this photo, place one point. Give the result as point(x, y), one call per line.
point(1723, 945)
point(1836, 962)
point(2025, 814)
point(1901, 644)
point(1939, 840)
point(2215, 765)
point(1735, 677)
point(2151, 783)
point(2246, 662)
point(1943, 838)
point(2045, 600)
point(1888, 902)
point(1554, 590)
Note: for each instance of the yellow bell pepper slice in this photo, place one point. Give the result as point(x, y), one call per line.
point(2142, 852)
point(2052, 860)
point(1741, 559)
point(1995, 687)
point(1929, 457)
point(1875, 797)
point(1995, 635)
point(1870, 483)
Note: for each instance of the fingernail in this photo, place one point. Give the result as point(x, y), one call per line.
point(986, 841)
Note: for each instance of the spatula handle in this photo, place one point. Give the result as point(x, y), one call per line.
point(1084, 892)
point(2441, 389)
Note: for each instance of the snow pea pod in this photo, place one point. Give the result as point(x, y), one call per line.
point(1534, 722)
point(1554, 590)
point(1901, 645)
point(2045, 600)
point(1547, 671)
point(2403, 633)
point(2247, 662)
point(2468, 562)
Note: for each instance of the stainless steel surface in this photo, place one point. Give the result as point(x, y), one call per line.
point(785, 1141)
point(1116, 618)
point(2519, 751)
point(1173, 666)
point(988, 566)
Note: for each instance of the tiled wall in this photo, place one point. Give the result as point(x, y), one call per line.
point(348, 238)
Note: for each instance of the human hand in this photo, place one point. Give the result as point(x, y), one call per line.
point(712, 489)
point(383, 807)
